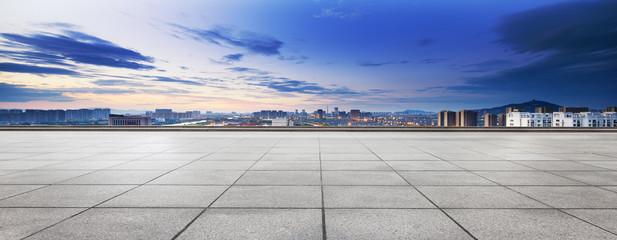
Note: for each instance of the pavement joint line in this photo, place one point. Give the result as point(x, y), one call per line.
point(96, 205)
point(564, 212)
point(423, 195)
point(324, 235)
point(178, 234)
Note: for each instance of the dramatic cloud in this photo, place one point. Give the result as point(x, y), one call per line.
point(21, 68)
point(174, 80)
point(253, 42)
point(72, 46)
point(295, 86)
point(119, 83)
point(19, 93)
point(364, 63)
point(578, 42)
point(425, 42)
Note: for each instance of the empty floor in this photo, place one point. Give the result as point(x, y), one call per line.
point(307, 185)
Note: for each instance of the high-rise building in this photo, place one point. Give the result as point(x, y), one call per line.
point(446, 119)
point(574, 109)
point(526, 119)
point(610, 109)
point(466, 118)
point(335, 113)
point(354, 113)
point(544, 110)
point(320, 113)
point(501, 120)
point(490, 120)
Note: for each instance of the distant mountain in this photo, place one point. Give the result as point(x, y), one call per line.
point(528, 106)
point(409, 112)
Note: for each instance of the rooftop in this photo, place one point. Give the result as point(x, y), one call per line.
point(307, 185)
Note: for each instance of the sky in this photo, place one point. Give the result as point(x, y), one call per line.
point(248, 55)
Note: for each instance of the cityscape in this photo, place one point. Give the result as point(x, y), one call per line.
point(509, 117)
point(308, 119)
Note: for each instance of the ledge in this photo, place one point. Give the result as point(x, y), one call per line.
point(301, 129)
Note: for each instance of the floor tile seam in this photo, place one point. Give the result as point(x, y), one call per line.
point(551, 206)
point(324, 232)
point(94, 206)
point(183, 229)
point(427, 198)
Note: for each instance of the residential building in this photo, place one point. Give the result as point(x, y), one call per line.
point(121, 120)
point(466, 118)
point(585, 119)
point(446, 118)
point(490, 120)
point(574, 109)
point(501, 120)
point(354, 113)
point(545, 110)
point(526, 119)
point(514, 109)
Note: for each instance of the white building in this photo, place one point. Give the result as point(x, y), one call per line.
point(526, 119)
point(585, 119)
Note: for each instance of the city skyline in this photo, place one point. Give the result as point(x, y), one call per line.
point(245, 55)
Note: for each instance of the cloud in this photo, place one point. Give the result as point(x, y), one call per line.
point(249, 70)
point(119, 83)
point(425, 42)
point(19, 93)
point(297, 59)
point(175, 80)
point(433, 60)
point(295, 86)
point(72, 46)
point(487, 66)
point(577, 40)
point(337, 13)
point(365, 63)
point(21, 68)
point(233, 57)
point(253, 42)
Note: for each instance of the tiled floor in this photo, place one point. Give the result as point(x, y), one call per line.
point(308, 185)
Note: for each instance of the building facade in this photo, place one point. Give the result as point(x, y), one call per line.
point(585, 119)
point(121, 120)
point(446, 119)
point(466, 118)
point(526, 119)
point(490, 120)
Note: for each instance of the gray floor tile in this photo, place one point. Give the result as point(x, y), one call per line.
point(558, 165)
point(199, 177)
point(526, 178)
point(286, 165)
point(466, 156)
point(291, 157)
point(219, 165)
point(116, 177)
point(271, 197)
point(40, 176)
point(82, 165)
point(354, 165)
point(419, 178)
point(150, 165)
point(118, 223)
point(525, 224)
point(490, 165)
point(612, 165)
point(374, 197)
point(525, 156)
point(65, 196)
point(571, 197)
point(604, 218)
point(24, 165)
point(406, 157)
point(422, 165)
point(256, 224)
point(11, 190)
point(362, 178)
point(477, 197)
point(280, 178)
point(348, 157)
point(391, 224)
point(593, 178)
point(233, 156)
point(116, 157)
point(167, 196)
point(174, 157)
point(17, 223)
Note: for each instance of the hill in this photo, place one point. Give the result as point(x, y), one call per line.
point(528, 106)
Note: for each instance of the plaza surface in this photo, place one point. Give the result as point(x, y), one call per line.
point(308, 185)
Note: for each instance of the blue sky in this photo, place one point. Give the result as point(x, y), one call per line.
point(249, 55)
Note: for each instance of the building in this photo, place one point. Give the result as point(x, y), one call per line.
point(267, 114)
point(574, 109)
point(610, 109)
point(490, 120)
point(501, 120)
point(526, 119)
point(121, 120)
point(466, 118)
point(320, 113)
point(545, 110)
point(514, 109)
point(446, 119)
point(585, 119)
point(354, 113)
